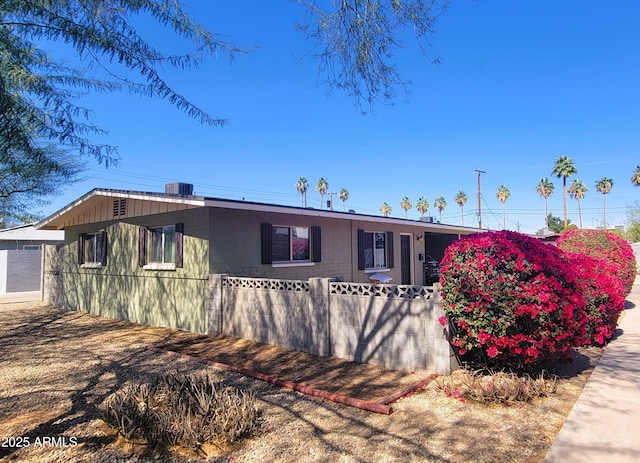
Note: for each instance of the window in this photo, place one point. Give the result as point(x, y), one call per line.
point(160, 247)
point(92, 249)
point(30, 247)
point(375, 250)
point(290, 244)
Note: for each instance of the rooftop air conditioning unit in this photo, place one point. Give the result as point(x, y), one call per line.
point(427, 219)
point(178, 188)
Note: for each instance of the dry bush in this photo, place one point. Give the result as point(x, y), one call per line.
point(500, 387)
point(185, 410)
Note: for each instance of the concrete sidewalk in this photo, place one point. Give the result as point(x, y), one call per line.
point(27, 296)
point(603, 424)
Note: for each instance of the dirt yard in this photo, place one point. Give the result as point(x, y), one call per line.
point(57, 367)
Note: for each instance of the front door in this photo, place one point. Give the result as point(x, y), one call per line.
point(405, 259)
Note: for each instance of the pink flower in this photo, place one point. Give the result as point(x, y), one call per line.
point(492, 351)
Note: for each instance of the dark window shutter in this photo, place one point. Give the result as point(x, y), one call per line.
point(265, 240)
point(142, 238)
point(360, 249)
point(316, 244)
point(179, 244)
point(81, 248)
point(103, 248)
point(389, 245)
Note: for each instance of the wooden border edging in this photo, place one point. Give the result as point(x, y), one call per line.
point(376, 407)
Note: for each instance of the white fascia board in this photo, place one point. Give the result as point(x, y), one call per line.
point(336, 215)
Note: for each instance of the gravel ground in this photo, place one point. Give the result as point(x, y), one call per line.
point(56, 368)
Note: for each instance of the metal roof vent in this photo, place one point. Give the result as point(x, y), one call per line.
point(178, 188)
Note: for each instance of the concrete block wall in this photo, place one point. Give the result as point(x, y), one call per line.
point(389, 325)
point(20, 270)
point(272, 311)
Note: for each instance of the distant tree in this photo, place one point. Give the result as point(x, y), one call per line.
point(503, 194)
point(344, 195)
point(604, 186)
point(577, 190)
point(635, 178)
point(406, 204)
point(545, 188)
point(422, 205)
point(440, 204)
point(564, 168)
point(461, 199)
point(302, 186)
point(633, 224)
point(322, 186)
point(385, 209)
point(556, 224)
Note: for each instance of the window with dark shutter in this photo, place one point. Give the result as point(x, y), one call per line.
point(361, 265)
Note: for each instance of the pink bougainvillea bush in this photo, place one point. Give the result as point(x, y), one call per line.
point(603, 245)
point(511, 302)
point(603, 293)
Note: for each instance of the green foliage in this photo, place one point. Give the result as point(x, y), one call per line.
point(358, 40)
point(556, 224)
point(42, 128)
point(189, 411)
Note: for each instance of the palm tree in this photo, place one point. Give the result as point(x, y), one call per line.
point(440, 203)
point(461, 199)
point(385, 209)
point(322, 186)
point(564, 168)
point(545, 189)
point(503, 194)
point(422, 205)
point(344, 195)
point(406, 204)
point(635, 178)
point(301, 186)
point(577, 190)
point(604, 186)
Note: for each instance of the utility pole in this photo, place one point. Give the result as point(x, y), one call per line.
point(479, 206)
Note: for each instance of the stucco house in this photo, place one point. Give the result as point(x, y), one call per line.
point(167, 259)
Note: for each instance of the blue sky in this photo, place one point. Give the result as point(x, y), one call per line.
point(520, 84)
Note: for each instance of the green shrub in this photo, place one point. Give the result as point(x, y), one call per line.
point(189, 411)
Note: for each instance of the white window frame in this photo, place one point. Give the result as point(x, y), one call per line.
point(162, 263)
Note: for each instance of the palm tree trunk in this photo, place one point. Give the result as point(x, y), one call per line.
point(504, 218)
point(564, 199)
point(605, 211)
point(546, 213)
point(462, 207)
point(580, 213)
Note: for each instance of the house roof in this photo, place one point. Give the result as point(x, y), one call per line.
point(88, 203)
point(28, 232)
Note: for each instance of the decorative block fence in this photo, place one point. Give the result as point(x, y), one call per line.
point(395, 326)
